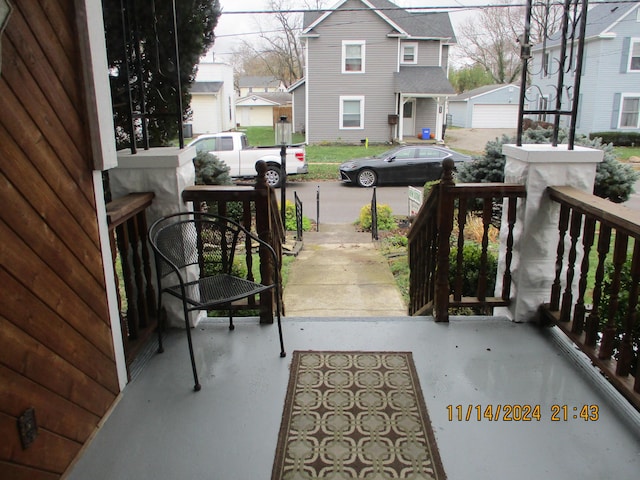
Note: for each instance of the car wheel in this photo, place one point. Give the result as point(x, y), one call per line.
point(367, 178)
point(273, 176)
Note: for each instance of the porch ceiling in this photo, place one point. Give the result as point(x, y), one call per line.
point(161, 429)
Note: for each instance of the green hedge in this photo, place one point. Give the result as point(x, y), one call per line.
point(619, 139)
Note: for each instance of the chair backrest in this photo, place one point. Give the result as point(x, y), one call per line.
point(194, 238)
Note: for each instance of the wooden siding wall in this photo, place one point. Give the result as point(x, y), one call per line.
point(56, 352)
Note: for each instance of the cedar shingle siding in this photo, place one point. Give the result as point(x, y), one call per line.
point(56, 351)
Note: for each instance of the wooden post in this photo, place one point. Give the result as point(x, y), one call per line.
point(264, 230)
point(445, 226)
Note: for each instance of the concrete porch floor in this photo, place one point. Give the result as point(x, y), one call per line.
point(162, 429)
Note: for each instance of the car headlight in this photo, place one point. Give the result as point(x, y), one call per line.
point(348, 165)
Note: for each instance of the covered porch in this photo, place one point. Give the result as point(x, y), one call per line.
point(161, 429)
point(421, 97)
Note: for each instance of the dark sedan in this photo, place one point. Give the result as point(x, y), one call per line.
point(408, 165)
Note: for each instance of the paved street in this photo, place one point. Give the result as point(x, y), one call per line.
point(341, 203)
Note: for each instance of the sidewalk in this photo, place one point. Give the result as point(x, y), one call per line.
point(340, 273)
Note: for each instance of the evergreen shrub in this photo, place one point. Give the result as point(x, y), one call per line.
point(385, 218)
point(614, 180)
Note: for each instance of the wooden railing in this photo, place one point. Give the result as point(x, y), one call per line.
point(257, 209)
point(430, 241)
point(599, 311)
point(127, 222)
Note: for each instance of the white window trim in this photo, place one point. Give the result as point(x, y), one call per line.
point(635, 40)
point(344, 98)
point(622, 97)
point(415, 53)
point(363, 51)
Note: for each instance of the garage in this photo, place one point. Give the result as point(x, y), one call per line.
point(489, 106)
point(494, 116)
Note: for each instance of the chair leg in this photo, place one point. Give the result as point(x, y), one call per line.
point(161, 317)
point(196, 382)
point(282, 352)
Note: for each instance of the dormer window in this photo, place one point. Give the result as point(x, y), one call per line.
point(353, 56)
point(409, 53)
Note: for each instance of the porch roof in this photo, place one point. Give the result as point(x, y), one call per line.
point(423, 81)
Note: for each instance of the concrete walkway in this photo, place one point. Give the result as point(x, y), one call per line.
point(340, 273)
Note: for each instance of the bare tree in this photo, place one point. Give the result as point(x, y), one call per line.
point(490, 40)
point(546, 16)
point(279, 52)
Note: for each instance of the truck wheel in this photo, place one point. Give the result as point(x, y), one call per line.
point(273, 176)
point(367, 178)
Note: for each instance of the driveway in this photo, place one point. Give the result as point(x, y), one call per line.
point(474, 139)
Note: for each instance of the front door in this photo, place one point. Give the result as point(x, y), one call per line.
point(408, 118)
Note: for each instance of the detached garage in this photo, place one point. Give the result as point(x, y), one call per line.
point(491, 106)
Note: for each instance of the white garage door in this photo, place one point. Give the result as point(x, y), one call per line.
point(495, 116)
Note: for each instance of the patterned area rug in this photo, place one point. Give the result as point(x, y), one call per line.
point(355, 415)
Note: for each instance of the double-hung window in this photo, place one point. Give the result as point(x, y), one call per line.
point(630, 112)
point(353, 56)
point(351, 112)
point(634, 55)
point(409, 53)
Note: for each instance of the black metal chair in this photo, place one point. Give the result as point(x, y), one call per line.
point(187, 239)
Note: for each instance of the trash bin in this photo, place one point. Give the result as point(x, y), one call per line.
point(426, 133)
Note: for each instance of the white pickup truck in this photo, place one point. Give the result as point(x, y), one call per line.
point(234, 150)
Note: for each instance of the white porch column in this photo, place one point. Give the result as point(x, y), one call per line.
point(536, 231)
point(166, 171)
point(403, 100)
point(439, 118)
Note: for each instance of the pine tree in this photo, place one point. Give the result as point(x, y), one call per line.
point(151, 23)
point(614, 179)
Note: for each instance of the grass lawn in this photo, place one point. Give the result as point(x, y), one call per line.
point(624, 153)
point(323, 160)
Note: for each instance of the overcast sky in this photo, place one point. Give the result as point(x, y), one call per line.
point(232, 28)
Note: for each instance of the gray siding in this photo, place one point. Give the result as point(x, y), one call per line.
point(429, 53)
point(601, 81)
point(458, 112)
point(425, 115)
point(299, 108)
point(445, 59)
point(327, 82)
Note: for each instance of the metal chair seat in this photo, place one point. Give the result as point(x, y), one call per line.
point(216, 291)
point(186, 240)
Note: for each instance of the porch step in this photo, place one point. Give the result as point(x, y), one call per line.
point(340, 272)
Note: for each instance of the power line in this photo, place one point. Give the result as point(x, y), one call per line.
point(441, 8)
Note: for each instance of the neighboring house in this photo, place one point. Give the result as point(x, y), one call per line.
point(263, 109)
point(490, 106)
point(253, 84)
point(213, 98)
point(299, 101)
point(610, 84)
point(375, 71)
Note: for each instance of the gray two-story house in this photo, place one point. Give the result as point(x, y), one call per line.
point(610, 84)
point(374, 71)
